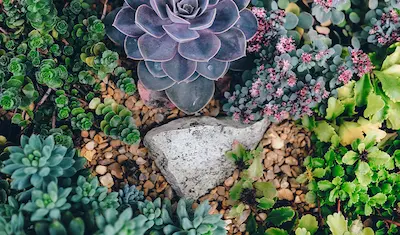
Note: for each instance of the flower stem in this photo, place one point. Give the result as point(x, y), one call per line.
point(104, 10)
point(44, 98)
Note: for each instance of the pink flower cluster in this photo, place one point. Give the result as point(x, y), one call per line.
point(387, 31)
point(325, 4)
point(345, 75)
point(268, 27)
point(361, 62)
point(285, 45)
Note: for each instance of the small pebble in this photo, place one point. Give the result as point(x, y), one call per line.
point(101, 170)
point(148, 184)
point(90, 145)
point(107, 180)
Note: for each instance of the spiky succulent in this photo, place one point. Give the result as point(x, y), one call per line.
point(130, 195)
point(112, 222)
point(93, 196)
point(48, 204)
point(38, 162)
point(188, 221)
point(153, 212)
point(185, 45)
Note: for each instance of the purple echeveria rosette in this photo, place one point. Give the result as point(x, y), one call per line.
point(184, 45)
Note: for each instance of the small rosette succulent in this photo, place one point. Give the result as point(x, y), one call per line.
point(188, 221)
point(39, 162)
point(130, 195)
point(112, 222)
point(48, 204)
point(93, 196)
point(184, 45)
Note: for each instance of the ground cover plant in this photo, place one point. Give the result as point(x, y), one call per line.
point(79, 73)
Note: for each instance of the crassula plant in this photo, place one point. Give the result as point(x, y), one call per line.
point(184, 45)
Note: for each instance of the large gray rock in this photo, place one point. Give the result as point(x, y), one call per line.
point(190, 152)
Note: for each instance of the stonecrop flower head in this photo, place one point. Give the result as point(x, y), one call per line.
point(184, 45)
point(384, 27)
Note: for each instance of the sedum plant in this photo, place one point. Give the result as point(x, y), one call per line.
point(338, 225)
point(118, 121)
point(13, 226)
point(184, 45)
point(38, 162)
point(297, 82)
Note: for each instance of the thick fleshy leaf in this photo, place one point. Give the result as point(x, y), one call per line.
point(151, 82)
point(174, 18)
point(193, 96)
point(204, 21)
point(179, 68)
point(157, 49)
point(125, 23)
point(132, 49)
point(147, 19)
point(203, 4)
point(202, 49)
point(155, 69)
point(136, 3)
point(227, 16)
point(193, 77)
point(114, 34)
point(241, 4)
point(159, 6)
point(247, 23)
point(212, 3)
point(233, 45)
point(180, 32)
point(213, 69)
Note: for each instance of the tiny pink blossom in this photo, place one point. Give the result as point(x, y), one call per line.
point(279, 92)
point(236, 116)
point(306, 57)
point(345, 76)
point(292, 81)
point(285, 45)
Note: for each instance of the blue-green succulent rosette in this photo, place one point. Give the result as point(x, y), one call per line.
point(184, 45)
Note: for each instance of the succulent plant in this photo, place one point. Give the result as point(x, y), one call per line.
point(153, 212)
point(92, 196)
point(188, 221)
point(4, 190)
point(124, 81)
point(129, 195)
point(48, 204)
point(299, 81)
point(14, 16)
point(112, 222)
point(13, 227)
point(118, 121)
point(185, 45)
point(75, 226)
point(41, 14)
point(81, 120)
point(325, 10)
point(38, 162)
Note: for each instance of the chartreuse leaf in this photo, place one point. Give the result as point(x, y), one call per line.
point(390, 83)
point(335, 108)
point(393, 117)
point(255, 170)
point(364, 173)
point(362, 89)
point(378, 158)
point(309, 222)
point(378, 199)
point(337, 224)
point(392, 59)
point(236, 190)
point(349, 106)
point(302, 231)
point(265, 203)
point(280, 215)
point(346, 91)
point(370, 128)
point(350, 131)
point(324, 185)
point(350, 158)
point(374, 104)
point(267, 188)
point(324, 131)
point(275, 231)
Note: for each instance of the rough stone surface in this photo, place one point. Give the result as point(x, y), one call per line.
point(190, 151)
